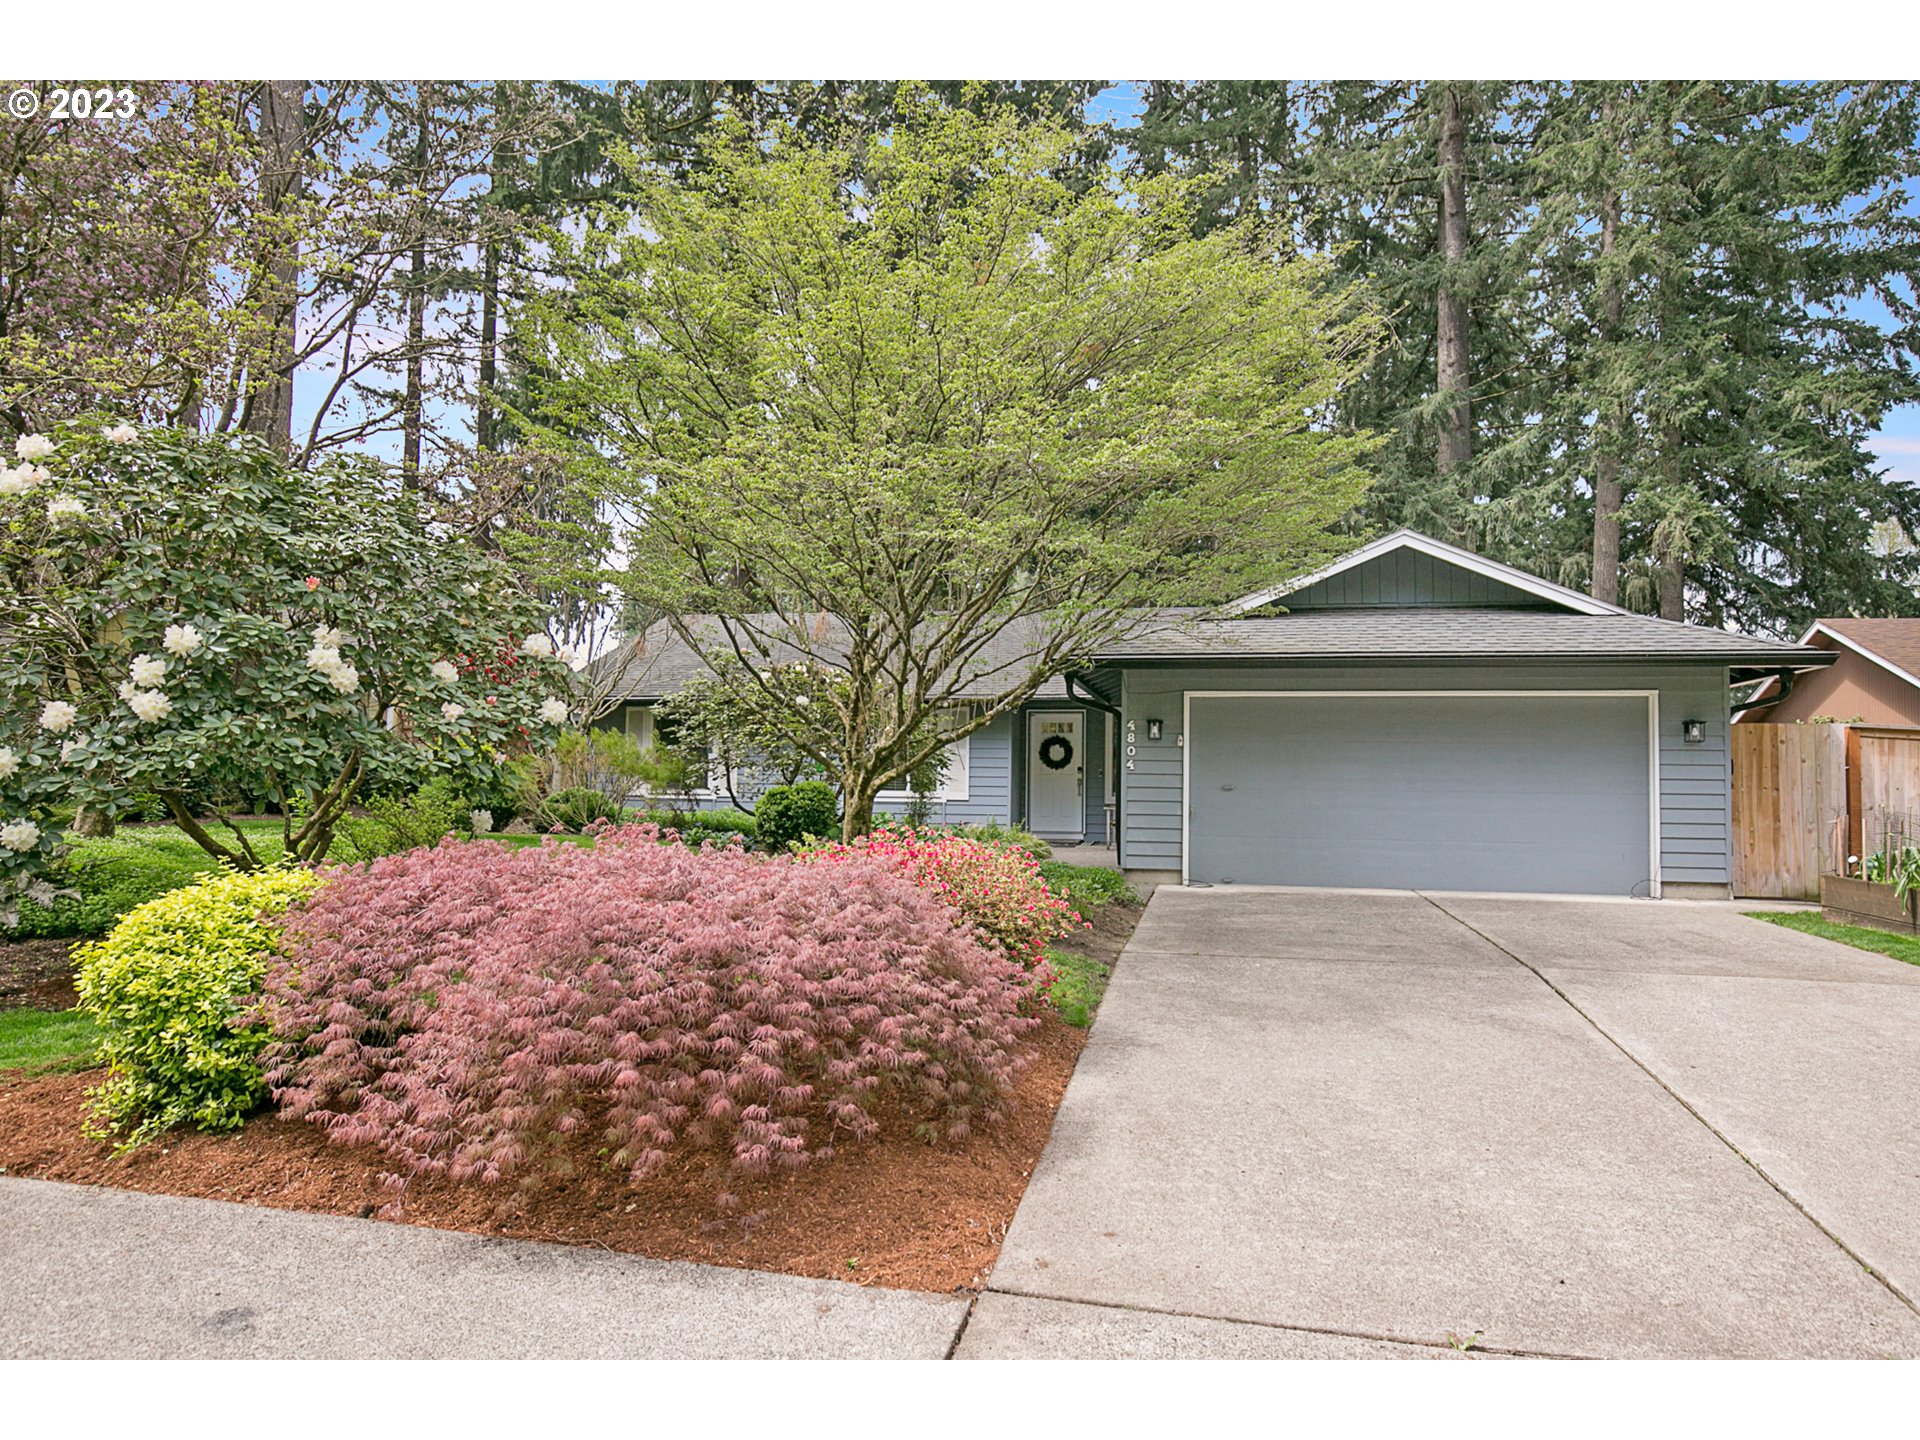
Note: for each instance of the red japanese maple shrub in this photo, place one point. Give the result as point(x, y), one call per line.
point(464, 1007)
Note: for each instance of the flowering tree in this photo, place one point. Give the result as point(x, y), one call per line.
point(189, 617)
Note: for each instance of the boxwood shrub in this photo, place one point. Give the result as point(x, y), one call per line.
point(789, 814)
point(166, 988)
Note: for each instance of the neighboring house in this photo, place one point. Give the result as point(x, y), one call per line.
point(1874, 679)
point(1411, 717)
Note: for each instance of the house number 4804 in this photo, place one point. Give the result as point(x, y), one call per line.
point(1133, 735)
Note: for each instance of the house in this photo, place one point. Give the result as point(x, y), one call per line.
point(1046, 765)
point(1874, 679)
point(1410, 717)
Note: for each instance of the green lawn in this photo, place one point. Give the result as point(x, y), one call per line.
point(1087, 886)
point(139, 863)
point(1079, 982)
point(1861, 937)
point(35, 1040)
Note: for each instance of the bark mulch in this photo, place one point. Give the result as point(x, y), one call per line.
point(36, 975)
point(895, 1211)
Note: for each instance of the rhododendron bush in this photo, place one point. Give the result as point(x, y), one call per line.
point(204, 619)
point(463, 1008)
point(998, 888)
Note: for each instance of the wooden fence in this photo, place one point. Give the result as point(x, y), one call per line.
point(1803, 798)
point(1789, 805)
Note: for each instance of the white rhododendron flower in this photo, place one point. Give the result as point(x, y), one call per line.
point(537, 644)
point(121, 434)
point(9, 762)
point(19, 835)
point(182, 640)
point(150, 705)
point(33, 447)
point(553, 711)
point(147, 671)
point(480, 821)
point(443, 671)
point(326, 637)
point(324, 658)
point(452, 711)
point(126, 690)
point(57, 715)
point(344, 678)
point(16, 482)
point(66, 507)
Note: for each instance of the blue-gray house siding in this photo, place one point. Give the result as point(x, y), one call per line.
point(1695, 780)
point(996, 773)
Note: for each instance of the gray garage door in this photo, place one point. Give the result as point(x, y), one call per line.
point(1543, 793)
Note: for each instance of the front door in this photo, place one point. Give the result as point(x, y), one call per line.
point(1056, 775)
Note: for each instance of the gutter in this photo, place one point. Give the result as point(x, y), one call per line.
point(1784, 675)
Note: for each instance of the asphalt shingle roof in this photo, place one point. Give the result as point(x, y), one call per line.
point(1441, 634)
point(1896, 642)
point(659, 663)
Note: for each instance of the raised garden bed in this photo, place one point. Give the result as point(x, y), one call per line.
point(893, 1211)
point(1847, 901)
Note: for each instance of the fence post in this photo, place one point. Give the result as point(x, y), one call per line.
point(1856, 822)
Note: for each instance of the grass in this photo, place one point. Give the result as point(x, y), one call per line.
point(1861, 937)
point(1079, 982)
point(139, 863)
point(42, 1040)
point(1087, 886)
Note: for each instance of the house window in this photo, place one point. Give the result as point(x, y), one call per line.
point(647, 730)
point(956, 783)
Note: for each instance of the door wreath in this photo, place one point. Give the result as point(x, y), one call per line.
point(1056, 752)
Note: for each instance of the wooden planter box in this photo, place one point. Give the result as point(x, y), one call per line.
point(1862, 902)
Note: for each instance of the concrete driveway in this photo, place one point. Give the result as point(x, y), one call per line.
point(1368, 1123)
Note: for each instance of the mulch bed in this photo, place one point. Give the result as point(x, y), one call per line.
point(895, 1211)
point(36, 975)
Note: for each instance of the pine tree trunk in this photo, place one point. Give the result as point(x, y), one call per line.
point(1452, 377)
point(1607, 490)
point(412, 412)
point(283, 128)
point(1672, 578)
point(489, 343)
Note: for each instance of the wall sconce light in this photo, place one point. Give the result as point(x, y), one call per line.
point(1693, 732)
point(1153, 729)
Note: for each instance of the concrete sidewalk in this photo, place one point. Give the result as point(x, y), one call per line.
point(96, 1273)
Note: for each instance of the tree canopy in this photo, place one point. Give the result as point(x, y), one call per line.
point(886, 404)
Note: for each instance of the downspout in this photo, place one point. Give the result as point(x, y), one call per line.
point(1783, 675)
point(1077, 692)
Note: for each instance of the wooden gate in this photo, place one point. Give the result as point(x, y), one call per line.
point(1789, 808)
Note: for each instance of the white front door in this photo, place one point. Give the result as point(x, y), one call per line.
point(1056, 775)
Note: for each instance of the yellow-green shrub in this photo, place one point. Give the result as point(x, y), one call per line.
point(165, 987)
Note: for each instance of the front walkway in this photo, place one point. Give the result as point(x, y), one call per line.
point(1337, 1123)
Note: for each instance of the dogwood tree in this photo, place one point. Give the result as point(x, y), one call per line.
point(188, 617)
point(924, 416)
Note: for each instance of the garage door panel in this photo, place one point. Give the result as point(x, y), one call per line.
point(1544, 793)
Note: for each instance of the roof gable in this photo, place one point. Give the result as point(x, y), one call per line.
point(1893, 645)
point(1408, 570)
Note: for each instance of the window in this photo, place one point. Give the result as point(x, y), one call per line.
point(956, 783)
point(647, 729)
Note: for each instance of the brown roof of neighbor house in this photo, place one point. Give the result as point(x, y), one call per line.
point(1894, 643)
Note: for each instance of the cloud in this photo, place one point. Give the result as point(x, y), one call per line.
point(1888, 445)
